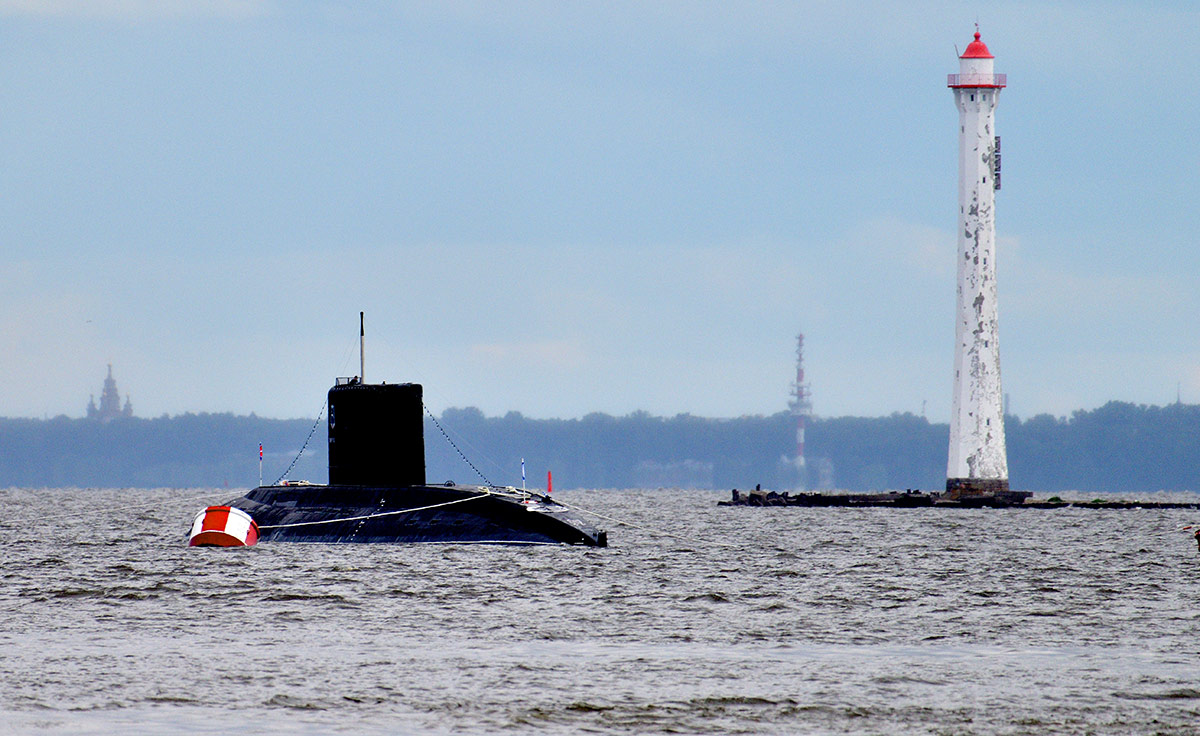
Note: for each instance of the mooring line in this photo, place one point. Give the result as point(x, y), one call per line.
point(304, 446)
point(375, 516)
point(438, 424)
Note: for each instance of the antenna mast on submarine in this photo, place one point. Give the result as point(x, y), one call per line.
point(362, 351)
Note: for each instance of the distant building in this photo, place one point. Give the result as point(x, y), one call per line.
point(110, 402)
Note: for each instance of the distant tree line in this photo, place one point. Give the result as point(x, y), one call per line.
point(190, 450)
point(1118, 447)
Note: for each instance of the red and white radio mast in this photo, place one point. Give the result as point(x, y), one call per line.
point(801, 403)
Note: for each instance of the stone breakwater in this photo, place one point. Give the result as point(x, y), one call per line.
point(922, 499)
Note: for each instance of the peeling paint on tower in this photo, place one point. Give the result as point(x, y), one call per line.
point(978, 459)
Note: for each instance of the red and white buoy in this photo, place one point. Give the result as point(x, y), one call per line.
point(223, 526)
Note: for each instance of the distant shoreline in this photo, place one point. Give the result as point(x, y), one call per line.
point(1117, 448)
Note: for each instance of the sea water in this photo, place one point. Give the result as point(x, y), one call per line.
point(745, 620)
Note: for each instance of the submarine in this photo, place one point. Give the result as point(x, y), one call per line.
point(377, 489)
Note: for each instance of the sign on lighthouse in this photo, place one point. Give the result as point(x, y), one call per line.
point(978, 461)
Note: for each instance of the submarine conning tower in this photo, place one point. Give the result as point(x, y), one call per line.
point(376, 434)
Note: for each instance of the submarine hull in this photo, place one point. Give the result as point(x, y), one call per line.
point(413, 514)
point(377, 491)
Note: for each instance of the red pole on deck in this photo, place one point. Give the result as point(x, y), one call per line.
point(549, 482)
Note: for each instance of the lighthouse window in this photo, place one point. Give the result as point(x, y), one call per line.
point(972, 98)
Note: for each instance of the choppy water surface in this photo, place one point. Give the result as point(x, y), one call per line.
point(817, 620)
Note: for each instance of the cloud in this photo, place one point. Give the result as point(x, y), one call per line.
point(1100, 308)
point(136, 9)
point(891, 243)
point(554, 353)
point(50, 337)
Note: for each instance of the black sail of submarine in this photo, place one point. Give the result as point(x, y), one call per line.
point(377, 490)
point(376, 434)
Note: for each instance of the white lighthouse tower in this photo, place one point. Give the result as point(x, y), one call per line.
point(978, 462)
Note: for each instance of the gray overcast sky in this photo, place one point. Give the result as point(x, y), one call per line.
point(560, 208)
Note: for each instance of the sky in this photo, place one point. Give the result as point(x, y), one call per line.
point(563, 208)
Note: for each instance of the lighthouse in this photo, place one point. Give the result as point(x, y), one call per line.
point(978, 461)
